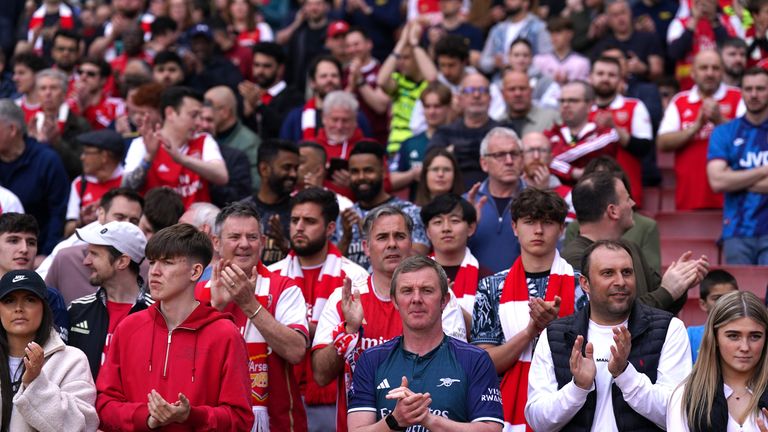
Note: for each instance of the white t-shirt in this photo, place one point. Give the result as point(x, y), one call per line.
point(677, 421)
point(601, 338)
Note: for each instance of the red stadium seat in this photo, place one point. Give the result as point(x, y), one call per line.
point(705, 224)
point(672, 248)
point(651, 201)
point(667, 203)
point(668, 178)
point(665, 159)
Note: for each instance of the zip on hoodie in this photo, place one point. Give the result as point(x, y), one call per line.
point(168, 348)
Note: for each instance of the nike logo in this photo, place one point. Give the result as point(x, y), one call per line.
point(18, 278)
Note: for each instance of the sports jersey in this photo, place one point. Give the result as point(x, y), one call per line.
point(404, 98)
point(460, 379)
point(693, 191)
point(272, 381)
point(87, 190)
point(104, 112)
point(356, 252)
point(28, 108)
point(381, 322)
point(165, 172)
point(631, 115)
point(742, 146)
point(575, 151)
point(703, 39)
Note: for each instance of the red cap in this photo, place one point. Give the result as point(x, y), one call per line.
point(337, 28)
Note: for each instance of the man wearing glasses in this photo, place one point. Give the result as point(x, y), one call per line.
point(90, 99)
point(465, 133)
point(494, 243)
point(576, 140)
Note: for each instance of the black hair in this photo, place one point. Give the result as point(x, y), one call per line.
point(615, 245)
point(270, 49)
point(269, 149)
point(607, 163)
point(359, 29)
point(734, 42)
point(19, 223)
point(67, 34)
point(446, 203)
point(539, 205)
point(716, 277)
point(329, 205)
point(453, 46)
point(163, 207)
point(593, 194)
point(609, 60)
point(314, 145)
point(162, 25)
point(129, 194)
point(753, 71)
point(174, 97)
point(323, 58)
point(30, 60)
point(369, 146)
point(114, 254)
point(105, 70)
point(523, 41)
point(164, 57)
point(180, 240)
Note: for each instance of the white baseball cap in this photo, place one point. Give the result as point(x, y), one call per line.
point(123, 236)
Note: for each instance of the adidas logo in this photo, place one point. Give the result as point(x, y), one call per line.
point(383, 385)
point(18, 278)
point(163, 168)
point(81, 327)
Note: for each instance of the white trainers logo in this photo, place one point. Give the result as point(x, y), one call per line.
point(18, 278)
point(447, 382)
point(383, 385)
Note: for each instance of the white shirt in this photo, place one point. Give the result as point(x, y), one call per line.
point(137, 150)
point(677, 420)
point(550, 409)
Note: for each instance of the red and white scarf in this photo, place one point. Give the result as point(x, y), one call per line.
point(66, 21)
point(465, 285)
point(309, 120)
point(514, 316)
point(331, 277)
point(61, 118)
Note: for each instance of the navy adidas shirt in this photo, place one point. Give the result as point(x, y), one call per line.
point(460, 378)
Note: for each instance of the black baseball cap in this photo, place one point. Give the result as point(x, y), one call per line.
point(27, 280)
point(105, 139)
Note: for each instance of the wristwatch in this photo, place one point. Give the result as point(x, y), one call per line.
point(393, 424)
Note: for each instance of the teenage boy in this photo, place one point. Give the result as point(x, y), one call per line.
point(179, 363)
point(715, 284)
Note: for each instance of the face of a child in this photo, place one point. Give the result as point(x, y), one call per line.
point(715, 293)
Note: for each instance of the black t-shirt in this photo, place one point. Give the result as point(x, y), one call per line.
point(272, 252)
point(640, 44)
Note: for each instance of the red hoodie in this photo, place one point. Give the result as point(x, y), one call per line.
point(204, 358)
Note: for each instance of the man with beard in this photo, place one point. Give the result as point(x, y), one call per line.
point(126, 14)
point(736, 165)
point(209, 68)
point(366, 172)
point(687, 125)
point(278, 165)
point(537, 155)
point(627, 116)
point(168, 69)
point(174, 155)
point(114, 253)
point(614, 363)
point(577, 140)
point(267, 100)
point(734, 54)
point(360, 316)
point(65, 52)
point(305, 122)
point(318, 268)
point(55, 122)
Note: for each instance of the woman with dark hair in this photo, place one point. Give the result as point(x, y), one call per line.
point(246, 21)
point(45, 385)
point(439, 175)
point(726, 391)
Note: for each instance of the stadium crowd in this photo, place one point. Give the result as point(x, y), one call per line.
point(373, 215)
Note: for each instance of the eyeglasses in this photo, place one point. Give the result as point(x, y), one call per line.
point(502, 156)
point(88, 73)
point(530, 151)
point(482, 90)
point(570, 101)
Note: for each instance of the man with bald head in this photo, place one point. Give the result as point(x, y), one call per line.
point(465, 133)
point(687, 124)
point(521, 114)
point(230, 131)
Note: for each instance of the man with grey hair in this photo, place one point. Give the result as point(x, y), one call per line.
point(202, 215)
point(361, 314)
point(468, 395)
point(34, 173)
point(56, 123)
point(230, 132)
point(501, 158)
point(465, 133)
point(576, 140)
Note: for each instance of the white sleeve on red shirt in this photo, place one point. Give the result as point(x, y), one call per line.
point(671, 120)
point(265, 32)
point(73, 205)
point(211, 150)
point(291, 310)
point(675, 30)
point(453, 319)
point(329, 320)
point(641, 122)
point(136, 152)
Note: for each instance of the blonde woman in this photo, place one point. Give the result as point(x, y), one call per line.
point(726, 391)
